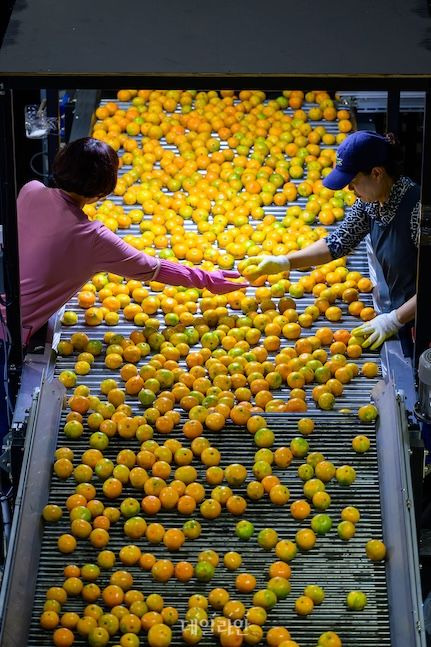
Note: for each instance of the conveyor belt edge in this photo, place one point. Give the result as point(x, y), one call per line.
point(19, 580)
point(405, 601)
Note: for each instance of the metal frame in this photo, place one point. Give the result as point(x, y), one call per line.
point(53, 139)
point(393, 112)
point(8, 193)
point(11, 118)
point(213, 81)
point(375, 101)
point(36, 368)
point(393, 447)
point(86, 102)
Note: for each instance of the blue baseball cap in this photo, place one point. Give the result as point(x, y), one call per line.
point(360, 151)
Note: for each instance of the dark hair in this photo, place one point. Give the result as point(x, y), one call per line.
point(87, 167)
point(394, 165)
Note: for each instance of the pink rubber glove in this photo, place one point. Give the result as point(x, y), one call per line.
point(193, 277)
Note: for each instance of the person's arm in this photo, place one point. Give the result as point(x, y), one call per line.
point(111, 254)
point(217, 282)
point(407, 311)
point(386, 325)
point(317, 253)
point(340, 242)
point(349, 233)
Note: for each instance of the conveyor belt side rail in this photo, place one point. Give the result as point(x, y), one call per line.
point(405, 601)
point(22, 560)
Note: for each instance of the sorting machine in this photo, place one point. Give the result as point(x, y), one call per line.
point(383, 491)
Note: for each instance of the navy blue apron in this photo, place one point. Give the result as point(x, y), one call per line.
point(397, 253)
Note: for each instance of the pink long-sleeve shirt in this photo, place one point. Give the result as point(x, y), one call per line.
point(60, 249)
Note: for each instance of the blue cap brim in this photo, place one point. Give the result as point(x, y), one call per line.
point(337, 179)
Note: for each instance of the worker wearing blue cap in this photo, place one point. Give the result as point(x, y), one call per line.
point(387, 208)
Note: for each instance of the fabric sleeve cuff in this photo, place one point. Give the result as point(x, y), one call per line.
point(157, 270)
point(333, 246)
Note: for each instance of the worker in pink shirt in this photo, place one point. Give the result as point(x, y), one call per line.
point(60, 248)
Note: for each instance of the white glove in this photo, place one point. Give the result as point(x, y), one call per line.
point(266, 265)
point(378, 329)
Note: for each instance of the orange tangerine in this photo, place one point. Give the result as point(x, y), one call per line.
point(146, 561)
point(351, 514)
point(162, 570)
point(304, 605)
point(280, 569)
point(210, 509)
point(305, 538)
point(329, 639)
point(279, 494)
point(305, 426)
point(277, 635)
point(245, 582)
point(63, 637)
point(173, 539)
point(232, 560)
point(283, 457)
point(370, 369)
point(112, 595)
point(66, 543)
point(300, 509)
point(376, 550)
point(49, 620)
point(183, 571)
point(155, 533)
point(236, 505)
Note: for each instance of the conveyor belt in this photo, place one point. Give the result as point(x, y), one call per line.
point(334, 564)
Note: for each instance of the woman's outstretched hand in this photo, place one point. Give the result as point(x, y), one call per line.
point(219, 281)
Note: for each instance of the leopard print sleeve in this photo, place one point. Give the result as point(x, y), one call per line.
point(350, 232)
point(415, 223)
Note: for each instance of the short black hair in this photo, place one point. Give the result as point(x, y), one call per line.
point(87, 167)
point(394, 164)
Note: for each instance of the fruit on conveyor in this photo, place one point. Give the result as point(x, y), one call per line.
point(188, 363)
point(356, 600)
